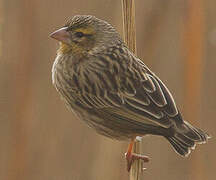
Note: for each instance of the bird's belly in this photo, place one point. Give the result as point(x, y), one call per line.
point(107, 126)
point(104, 128)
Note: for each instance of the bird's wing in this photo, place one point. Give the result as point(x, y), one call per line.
point(128, 89)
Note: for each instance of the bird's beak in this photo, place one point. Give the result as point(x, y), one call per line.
point(61, 35)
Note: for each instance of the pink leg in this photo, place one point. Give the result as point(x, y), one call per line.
point(131, 157)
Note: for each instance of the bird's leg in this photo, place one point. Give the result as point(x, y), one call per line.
point(131, 157)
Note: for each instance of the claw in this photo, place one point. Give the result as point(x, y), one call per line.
point(131, 157)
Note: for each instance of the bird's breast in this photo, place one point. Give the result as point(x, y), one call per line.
point(64, 75)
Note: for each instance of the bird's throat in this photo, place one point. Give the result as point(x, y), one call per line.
point(74, 49)
point(63, 48)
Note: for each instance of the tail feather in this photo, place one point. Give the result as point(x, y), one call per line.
point(186, 137)
point(179, 147)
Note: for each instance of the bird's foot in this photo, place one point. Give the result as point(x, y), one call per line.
point(131, 157)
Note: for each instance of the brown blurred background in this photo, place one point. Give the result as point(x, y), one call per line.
point(42, 140)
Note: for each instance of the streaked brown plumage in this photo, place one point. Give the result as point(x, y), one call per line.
point(112, 90)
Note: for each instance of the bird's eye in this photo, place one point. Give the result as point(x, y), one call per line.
point(79, 34)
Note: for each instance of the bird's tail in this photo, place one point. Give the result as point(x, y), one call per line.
point(186, 137)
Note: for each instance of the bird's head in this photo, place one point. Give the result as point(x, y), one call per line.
point(84, 33)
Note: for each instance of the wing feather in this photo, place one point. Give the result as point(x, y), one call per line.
point(130, 90)
point(156, 95)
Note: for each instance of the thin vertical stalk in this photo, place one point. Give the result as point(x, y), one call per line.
point(194, 52)
point(129, 31)
point(129, 28)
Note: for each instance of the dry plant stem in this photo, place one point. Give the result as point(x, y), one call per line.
point(129, 29)
point(128, 9)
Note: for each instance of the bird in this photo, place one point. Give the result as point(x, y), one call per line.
point(113, 91)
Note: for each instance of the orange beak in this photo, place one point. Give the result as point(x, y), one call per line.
point(61, 35)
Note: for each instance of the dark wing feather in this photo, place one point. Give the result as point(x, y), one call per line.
point(129, 89)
